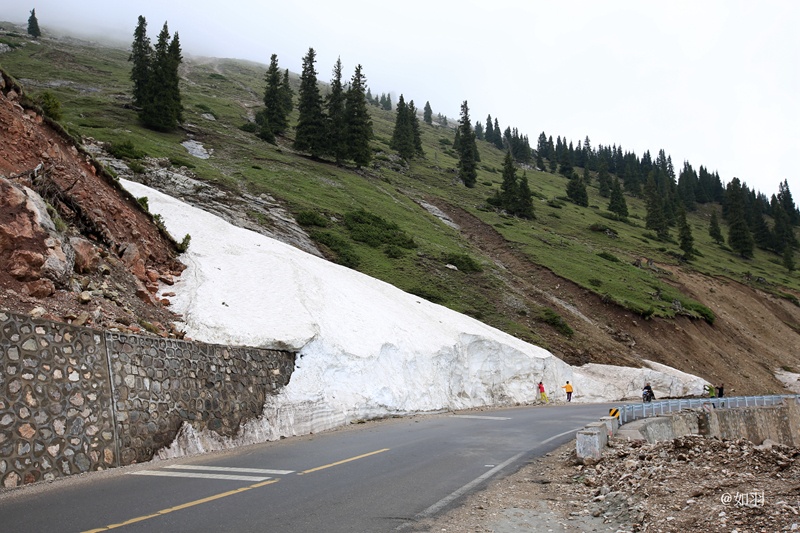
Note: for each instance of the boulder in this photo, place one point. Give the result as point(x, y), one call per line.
point(87, 257)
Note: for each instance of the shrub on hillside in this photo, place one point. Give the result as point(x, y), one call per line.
point(375, 231)
point(124, 150)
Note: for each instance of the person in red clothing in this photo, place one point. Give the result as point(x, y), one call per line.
point(568, 389)
point(542, 394)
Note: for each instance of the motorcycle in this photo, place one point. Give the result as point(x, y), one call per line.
point(647, 396)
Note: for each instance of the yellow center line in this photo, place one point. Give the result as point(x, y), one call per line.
point(182, 506)
point(337, 463)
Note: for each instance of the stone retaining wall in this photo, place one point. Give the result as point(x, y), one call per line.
point(75, 400)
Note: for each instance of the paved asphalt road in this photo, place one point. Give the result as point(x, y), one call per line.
point(377, 477)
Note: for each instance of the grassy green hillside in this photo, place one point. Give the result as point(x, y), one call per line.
point(578, 244)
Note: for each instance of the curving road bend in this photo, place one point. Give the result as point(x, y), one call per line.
point(380, 476)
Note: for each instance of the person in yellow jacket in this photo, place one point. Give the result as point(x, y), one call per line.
point(568, 389)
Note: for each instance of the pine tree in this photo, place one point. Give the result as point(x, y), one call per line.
point(788, 259)
point(175, 58)
point(427, 115)
point(310, 130)
point(655, 219)
point(739, 237)
point(479, 131)
point(403, 133)
point(286, 94)
point(576, 191)
point(468, 150)
point(488, 132)
point(275, 113)
point(33, 25)
point(762, 235)
point(162, 109)
point(508, 188)
point(783, 234)
point(335, 107)
point(141, 54)
point(565, 164)
point(685, 235)
point(617, 203)
point(498, 137)
point(416, 135)
point(714, 231)
point(786, 201)
point(523, 205)
point(359, 123)
point(604, 179)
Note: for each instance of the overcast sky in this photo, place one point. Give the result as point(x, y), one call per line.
point(715, 83)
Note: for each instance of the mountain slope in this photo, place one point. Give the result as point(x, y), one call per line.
point(542, 281)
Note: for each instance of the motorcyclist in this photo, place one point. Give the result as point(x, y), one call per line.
point(647, 393)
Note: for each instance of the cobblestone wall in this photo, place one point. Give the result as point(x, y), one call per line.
point(74, 400)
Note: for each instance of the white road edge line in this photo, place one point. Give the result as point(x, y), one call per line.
point(436, 507)
point(166, 473)
point(231, 469)
point(482, 417)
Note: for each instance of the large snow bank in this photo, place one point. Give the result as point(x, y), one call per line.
point(366, 348)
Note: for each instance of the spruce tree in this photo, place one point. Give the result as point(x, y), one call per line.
point(141, 54)
point(162, 109)
point(33, 25)
point(739, 237)
point(655, 219)
point(498, 137)
point(576, 191)
point(508, 188)
point(788, 259)
point(286, 94)
point(468, 150)
point(479, 131)
point(310, 130)
point(174, 60)
point(523, 204)
point(358, 121)
point(335, 107)
point(488, 132)
point(714, 231)
point(403, 133)
point(427, 115)
point(617, 203)
point(275, 113)
point(783, 234)
point(786, 201)
point(685, 235)
point(415, 133)
point(604, 179)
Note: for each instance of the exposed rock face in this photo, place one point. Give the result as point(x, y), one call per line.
point(67, 228)
point(30, 246)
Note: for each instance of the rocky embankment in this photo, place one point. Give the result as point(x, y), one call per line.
point(74, 246)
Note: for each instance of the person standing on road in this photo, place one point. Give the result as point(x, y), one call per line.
point(720, 390)
point(542, 394)
point(568, 389)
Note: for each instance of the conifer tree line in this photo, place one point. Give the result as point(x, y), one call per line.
point(337, 125)
point(156, 90)
point(669, 196)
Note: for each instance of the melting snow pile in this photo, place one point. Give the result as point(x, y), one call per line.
point(366, 348)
